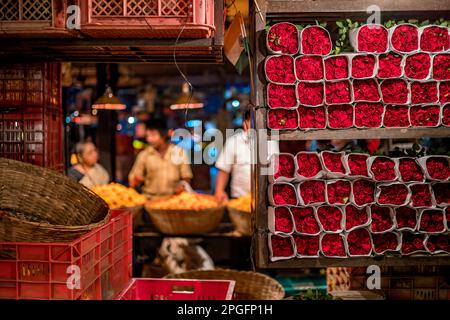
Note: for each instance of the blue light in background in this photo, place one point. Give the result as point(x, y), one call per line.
point(131, 120)
point(235, 103)
point(67, 119)
point(193, 123)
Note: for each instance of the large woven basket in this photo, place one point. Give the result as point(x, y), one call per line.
point(249, 285)
point(241, 220)
point(185, 222)
point(40, 205)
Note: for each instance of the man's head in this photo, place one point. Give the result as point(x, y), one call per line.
point(87, 153)
point(156, 132)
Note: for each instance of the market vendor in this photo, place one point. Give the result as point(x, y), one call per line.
point(87, 171)
point(161, 166)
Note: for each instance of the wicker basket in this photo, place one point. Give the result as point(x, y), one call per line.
point(40, 205)
point(249, 285)
point(242, 221)
point(185, 222)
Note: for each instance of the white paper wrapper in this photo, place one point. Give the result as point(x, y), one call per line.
point(270, 194)
point(277, 258)
point(418, 164)
point(423, 163)
point(445, 107)
point(344, 242)
point(332, 182)
point(364, 127)
point(347, 167)
point(352, 195)
point(433, 202)
point(299, 177)
point(274, 166)
point(386, 114)
point(434, 211)
point(300, 102)
point(432, 66)
point(346, 56)
point(379, 191)
point(422, 29)
point(391, 33)
point(265, 68)
point(308, 256)
point(308, 80)
point(330, 126)
point(391, 214)
point(274, 111)
point(272, 220)
point(342, 224)
point(421, 251)
point(416, 213)
point(371, 160)
point(412, 109)
point(302, 202)
point(438, 251)
point(430, 102)
point(365, 224)
point(402, 65)
point(436, 184)
point(327, 100)
point(270, 50)
point(352, 57)
point(302, 35)
point(328, 171)
point(348, 245)
point(396, 103)
point(314, 212)
point(407, 59)
point(273, 107)
point(354, 38)
point(399, 244)
point(358, 99)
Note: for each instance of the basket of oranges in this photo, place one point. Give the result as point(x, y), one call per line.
point(240, 212)
point(186, 213)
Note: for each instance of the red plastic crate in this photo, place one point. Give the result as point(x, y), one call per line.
point(148, 19)
point(39, 270)
point(174, 289)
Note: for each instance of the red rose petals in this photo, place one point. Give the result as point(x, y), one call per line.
point(410, 170)
point(425, 116)
point(396, 116)
point(438, 243)
point(280, 96)
point(444, 93)
point(310, 93)
point(372, 38)
point(385, 242)
point(390, 65)
point(355, 217)
point(383, 169)
point(363, 192)
point(424, 92)
point(283, 220)
point(446, 115)
point(309, 68)
point(338, 192)
point(405, 38)
point(330, 218)
point(357, 164)
point(438, 168)
point(336, 67)
point(406, 218)
point(441, 67)
point(284, 166)
point(283, 38)
point(338, 92)
point(340, 116)
point(366, 90)
point(393, 194)
point(332, 245)
point(421, 195)
point(418, 66)
point(281, 246)
point(305, 221)
point(412, 242)
point(441, 193)
point(284, 194)
point(308, 164)
point(363, 66)
point(432, 221)
point(315, 40)
point(312, 191)
point(359, 242)
point(282, 119)
point(312, 117)
point(333, 161)
point(381, 219)
point(435, 39)
point(394, 91)
point(280, 69)
point(368, 115)
point(307, 245)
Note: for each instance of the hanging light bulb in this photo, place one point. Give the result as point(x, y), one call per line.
point(108, 101)
point(186, 101)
